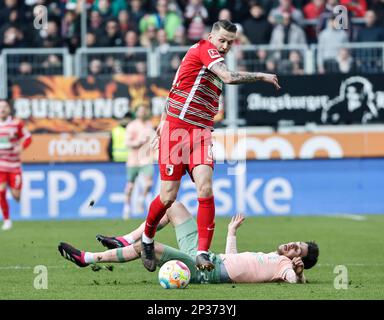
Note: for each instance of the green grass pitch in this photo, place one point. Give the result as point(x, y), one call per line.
point(357, 245)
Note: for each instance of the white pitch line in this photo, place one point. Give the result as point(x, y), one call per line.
point(30, 267)
point(350, 264)
point(355, 217)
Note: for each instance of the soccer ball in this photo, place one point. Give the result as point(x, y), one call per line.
point(174, 274)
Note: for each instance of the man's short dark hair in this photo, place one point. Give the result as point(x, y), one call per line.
point(224, 24)
point(313, 253)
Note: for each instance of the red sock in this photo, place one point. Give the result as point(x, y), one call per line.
point(4, 205)
point(156, 212)
point(205, 222)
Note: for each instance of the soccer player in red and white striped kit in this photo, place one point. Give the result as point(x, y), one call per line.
point(14, 137)
point(185, 135)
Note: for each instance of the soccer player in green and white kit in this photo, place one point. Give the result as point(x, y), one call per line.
point(287, 263)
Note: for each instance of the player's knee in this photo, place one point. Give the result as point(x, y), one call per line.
point(168, 197)
point(16, 195)
point(167, 202)
point(129, 187)
point(205, 191)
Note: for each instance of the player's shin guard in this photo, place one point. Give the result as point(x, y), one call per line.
point(205, 222)
point(156, 211)
point(4, 204)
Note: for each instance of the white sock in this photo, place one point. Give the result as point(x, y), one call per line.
point(129, 239)
point(200, 252)
point(145, 239)
point(88, 257)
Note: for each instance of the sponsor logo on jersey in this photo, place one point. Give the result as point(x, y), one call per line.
point(213, 53)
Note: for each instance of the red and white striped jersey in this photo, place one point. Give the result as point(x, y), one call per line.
point(195, 92)
point(13, 136)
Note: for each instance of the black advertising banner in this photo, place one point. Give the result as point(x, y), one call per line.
point(320, 99)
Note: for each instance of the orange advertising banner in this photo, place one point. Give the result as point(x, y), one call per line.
point(67, 148)
point(228, 145)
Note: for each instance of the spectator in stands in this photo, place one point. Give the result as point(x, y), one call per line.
point(257, 21)
point(52, 65)
point(179, 38)
point(163, 18)
point(287, 33)
point(260, 63)
point(112, 36)
point(225, 14)
point(174, 64)
point(95, 67)
point(148, 38)
point(70, 30)
point(125, 22)
point(368, 59)
point(51, 37)
point(344, 61)
point(294, 64)
point(356, 7)
point(271, 65)
point(12, 37)
point(238, 9)
point(104, 9)
point(330, 42)
point(25, 68)
point(131, 58)
point(162, 43)
point(285, 6)
point(214, 7)
point(131, 39)
point(96, 24)
point(196, 17)
point(90, 40)
point(9, 11)
point(378, 7)
point(312, 11)
point(136, 10)
point(371, 32)
point(113, 6)
point(241, 40)
point(141, 67)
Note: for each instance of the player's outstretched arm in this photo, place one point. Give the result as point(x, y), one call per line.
point(237, 77)
point(236, 221)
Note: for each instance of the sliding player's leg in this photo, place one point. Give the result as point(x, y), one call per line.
point(129, 238)
point(84, 258)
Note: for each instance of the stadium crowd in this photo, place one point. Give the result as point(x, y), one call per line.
point(164, 23)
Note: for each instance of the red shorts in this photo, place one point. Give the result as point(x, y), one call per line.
point(182, 148)
point(13, 179)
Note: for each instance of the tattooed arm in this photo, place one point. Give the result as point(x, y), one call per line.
point(233, 77)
